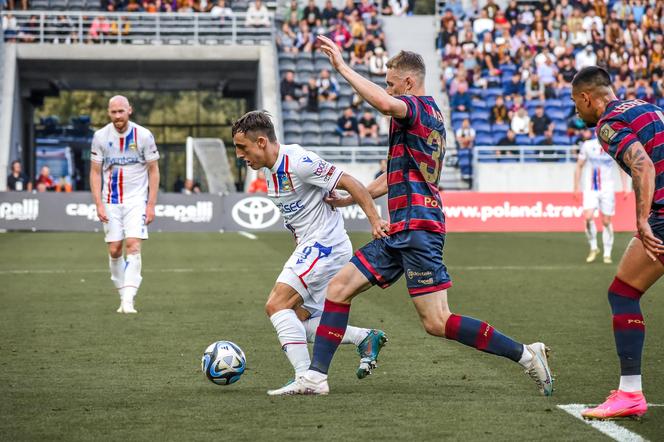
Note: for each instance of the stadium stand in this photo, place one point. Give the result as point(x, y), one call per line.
point(525, 55)
point(313, 97)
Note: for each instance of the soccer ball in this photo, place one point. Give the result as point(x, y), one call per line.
point(223, 362)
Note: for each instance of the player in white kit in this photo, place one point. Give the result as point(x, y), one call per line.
point(298, 181)
point(126, 155)
point(595, 169)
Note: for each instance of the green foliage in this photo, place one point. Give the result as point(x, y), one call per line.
point(73, 369)
point(425, 7)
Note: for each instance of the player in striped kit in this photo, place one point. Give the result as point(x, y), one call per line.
point(417, 231)
point(595, 168)
point(298, 181)
point(124, 180)
point(632, 132)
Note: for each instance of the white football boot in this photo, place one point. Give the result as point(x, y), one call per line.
point(302, 385)
point(538, 368)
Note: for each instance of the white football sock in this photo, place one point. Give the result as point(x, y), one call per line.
point(607, 239)
point(117, 266)
point(132, 277)
point(353, 335)
point(526, 357)
point(293, 339)
point(591, 234)
point(630, 383)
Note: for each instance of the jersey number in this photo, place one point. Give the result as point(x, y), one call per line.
point(437, 156)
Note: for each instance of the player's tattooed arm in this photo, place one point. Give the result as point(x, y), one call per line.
point(643, 182)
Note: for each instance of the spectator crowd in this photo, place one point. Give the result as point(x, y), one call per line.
point(319, 108)
point(508, 71)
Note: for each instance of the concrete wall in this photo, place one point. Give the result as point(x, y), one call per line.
point(528, 177)
point(8, 112)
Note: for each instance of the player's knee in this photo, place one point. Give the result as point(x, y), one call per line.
point(133, 247)
point(338, 291)
point(434, 326)
point(277, 303)
point(115, 250)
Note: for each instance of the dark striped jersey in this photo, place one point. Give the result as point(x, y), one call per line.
point(626, 122)
point(415, 158)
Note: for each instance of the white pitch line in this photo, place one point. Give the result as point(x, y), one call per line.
point(233, 269)
point(609, 428)
point(247, 234)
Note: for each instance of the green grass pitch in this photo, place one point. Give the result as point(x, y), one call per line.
point(73, 369)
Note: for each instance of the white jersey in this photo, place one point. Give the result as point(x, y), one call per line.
point(297, 183)
point(599, 168)
point(124, 160)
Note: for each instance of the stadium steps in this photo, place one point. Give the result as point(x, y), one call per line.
point(418, 34)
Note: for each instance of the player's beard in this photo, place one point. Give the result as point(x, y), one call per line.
point(123, 125)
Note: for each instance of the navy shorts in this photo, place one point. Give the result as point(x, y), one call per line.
point(417, 253)
point(657, 226)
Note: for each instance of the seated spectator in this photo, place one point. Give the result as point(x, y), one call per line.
point(63, 184)
point(520, 122)
point(328, 87)
point(99, 29)
point(508, 140)
point(311, 13)
point(567, 71)
point(465, 135)
point(547, 73)
point(534, 88)
point(190, 187)
point(483, 24)
point(120, 27)
point(461, 101)
point(10, 27)
point(359, 54)
point(18, 181)
point(539, 123)
point(366, 9)
point(378, 62)
point(368, 126)
point(395, 7)
point(499, 113)
point(290, 90)
point(585, 58)
point(285, 38)
point(311, 91)
point(221, 10)
point(257, 15)
point(259, 185)
point(304, 41)
point(45, 179)
point(347, 124)
point(341, 36)
point(514, 87)
point(329, 12)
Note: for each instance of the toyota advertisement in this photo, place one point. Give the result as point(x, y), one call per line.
point(465, 212)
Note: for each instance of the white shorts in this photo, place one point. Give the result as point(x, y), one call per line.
point(125, 221)
point(602, 200)
point(310, 269)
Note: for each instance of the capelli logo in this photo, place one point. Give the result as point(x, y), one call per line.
point(27, 210)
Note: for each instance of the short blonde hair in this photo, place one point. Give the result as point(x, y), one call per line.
point(408, 61)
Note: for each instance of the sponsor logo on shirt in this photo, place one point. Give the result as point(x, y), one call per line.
point(322, 168)
point(606, 133)
point(122, 161)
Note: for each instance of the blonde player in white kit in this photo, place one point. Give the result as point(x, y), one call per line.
point(298, 181)
point(598, 194)
point(126, 154)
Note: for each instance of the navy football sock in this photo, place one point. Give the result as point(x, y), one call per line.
point(629, 329)
point(482, 336)
point(329, 334)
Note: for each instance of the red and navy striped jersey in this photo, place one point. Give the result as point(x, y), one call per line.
point(415, 158)
point(626, 122)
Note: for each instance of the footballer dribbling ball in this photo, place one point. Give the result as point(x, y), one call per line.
point(223, 362)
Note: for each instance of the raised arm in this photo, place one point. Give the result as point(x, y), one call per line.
point(375, 95)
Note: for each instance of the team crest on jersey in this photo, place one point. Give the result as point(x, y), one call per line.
point(285, 183)
point(133, 145)
point(606, 133)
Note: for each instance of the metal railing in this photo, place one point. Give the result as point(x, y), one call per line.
point(521, 154)
point(133, 28)
point(351, 153)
